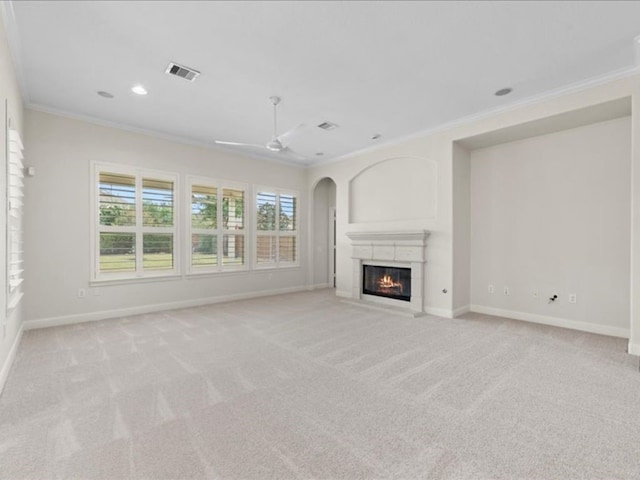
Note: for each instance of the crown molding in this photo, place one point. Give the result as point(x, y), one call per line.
point(153, 133)
point(485, 114)
point(15, 48)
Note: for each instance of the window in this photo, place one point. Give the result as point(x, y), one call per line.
point(217, 226)
point(14, 220)
point(276, 228)
point(135, 223)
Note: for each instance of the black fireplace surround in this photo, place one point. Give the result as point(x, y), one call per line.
point(389, 282)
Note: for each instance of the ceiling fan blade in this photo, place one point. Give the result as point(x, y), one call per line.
point(287, 152)
point(237, 144)
point(286, 138)
point(278, 143)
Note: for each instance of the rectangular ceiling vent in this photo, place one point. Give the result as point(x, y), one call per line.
point(328, 126)
point(182, 71)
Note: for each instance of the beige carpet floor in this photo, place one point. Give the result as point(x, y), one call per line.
point(306, 386)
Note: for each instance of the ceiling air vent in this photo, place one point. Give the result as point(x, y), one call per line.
point(182, 71)
point(328, 126)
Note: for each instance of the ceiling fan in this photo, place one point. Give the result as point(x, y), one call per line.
point(278, 143)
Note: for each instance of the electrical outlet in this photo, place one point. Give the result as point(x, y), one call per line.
point(573, 298)
point(491, 289)
point(506, 291)
point(82, 293)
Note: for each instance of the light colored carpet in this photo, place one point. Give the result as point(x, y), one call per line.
point(306, 386)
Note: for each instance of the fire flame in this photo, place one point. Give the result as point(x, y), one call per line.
point(386, 282)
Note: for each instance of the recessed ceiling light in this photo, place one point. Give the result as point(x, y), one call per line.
point(376, 136)
point(139, 90)
point(503, 91)
point(104, 94)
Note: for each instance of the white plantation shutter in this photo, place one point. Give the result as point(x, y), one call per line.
point(276, 228)
point(15, 193)
point(287, 220)
point(233, 239)
point(158, 224)
point(135, 223)
point(266, 227)
point(217, 227)
point(288, 216)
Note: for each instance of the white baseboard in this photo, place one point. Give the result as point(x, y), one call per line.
point(156, 307)
point(318, 286)
point(439, 312)
point(634, 349)
point(554, 321)
point(461, 310)
point(381, 307)
point(6, 368)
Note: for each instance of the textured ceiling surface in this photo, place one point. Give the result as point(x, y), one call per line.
point(388, 68)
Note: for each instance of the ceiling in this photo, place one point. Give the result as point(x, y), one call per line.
point(389, 68)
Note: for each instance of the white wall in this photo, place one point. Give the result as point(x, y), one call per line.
point(550, 214)
point(634, 338)
point(57, 226)
point(461, 294)
point(11, 108)
point(384, 192)
point(324, 198)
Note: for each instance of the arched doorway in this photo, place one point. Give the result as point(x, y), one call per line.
point(324, 234)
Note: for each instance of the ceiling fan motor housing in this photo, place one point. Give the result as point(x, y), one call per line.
point(274, 145)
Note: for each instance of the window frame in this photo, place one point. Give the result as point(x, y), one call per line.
point(277, 233)
point(219, 231)
point(139, 229)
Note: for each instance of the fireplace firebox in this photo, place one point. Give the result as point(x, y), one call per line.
point(390, 282)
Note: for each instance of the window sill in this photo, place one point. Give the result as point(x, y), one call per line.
point(133, 280)
point(190, 275)
point(217, 273)
point(275, 268)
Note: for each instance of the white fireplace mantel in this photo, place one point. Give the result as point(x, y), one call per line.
point(390, 248)
point(403, 246)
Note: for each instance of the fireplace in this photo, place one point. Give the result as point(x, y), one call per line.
point(390, 282)
point(397, 261)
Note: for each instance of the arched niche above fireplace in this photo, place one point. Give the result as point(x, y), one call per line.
point(401, 188)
